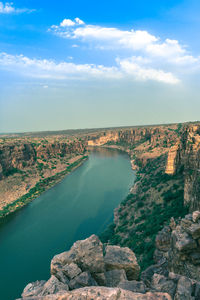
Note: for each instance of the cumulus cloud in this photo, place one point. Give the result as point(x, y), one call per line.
point(8, 8)
point(150, 46)
point(67, 23)
point(112, 37)
point(127, 68)
point(133, 68)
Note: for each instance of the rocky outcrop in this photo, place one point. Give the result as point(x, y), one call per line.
point(165, 136)
point(180, 247)
point(91, 270)
point(117, 258)
point(171, 160)
point(177, 255)
point(87, 266)
point(17, 155)
point(103, 293)
point(185, 155)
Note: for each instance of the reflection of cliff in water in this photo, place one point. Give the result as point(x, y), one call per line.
point(106, 152)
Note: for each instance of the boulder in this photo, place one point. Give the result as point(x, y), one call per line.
point(82, 280)
point(33, 289)
point(53, 286)
point(163, 239)
point(114, 277)
point(133, 285)
point(182, 241)
point(194, 230)
point(185, 289)
point(61, 277)
point(196, 216)
point(87, 254)
point(163, 284)
point(71, 270)
point(122, 258)
point(160, 268)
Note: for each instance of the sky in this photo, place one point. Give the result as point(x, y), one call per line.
point(88, 64)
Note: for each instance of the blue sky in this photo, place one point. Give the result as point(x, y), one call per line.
point(80, 64)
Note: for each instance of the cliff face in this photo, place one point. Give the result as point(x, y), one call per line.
point(181, 143)
point(17, 156)
point(162, 135)
point(186, 156)
point(28, 166)
point(14, 157)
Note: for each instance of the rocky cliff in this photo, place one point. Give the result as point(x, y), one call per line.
point(185, 155)
point(19, 154)
point(167, 185)
point(131, 137)
point(28, 166)
point(91, 270)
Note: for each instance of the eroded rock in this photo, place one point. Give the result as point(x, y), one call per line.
point(114, 277)
point(122, 258)
point(133, 285)
point(82, 280)
point(105, 293)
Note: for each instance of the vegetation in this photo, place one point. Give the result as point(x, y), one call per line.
point(39, 188)
point(142, 215)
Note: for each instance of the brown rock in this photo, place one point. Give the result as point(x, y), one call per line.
point(53, 286)
point(194, 230)
point(196, 216)
point(33, 289)
point(163, 239)
point(184, 289)
point(162, 284)
point(114, 277)
point(133, 286)
point(105, 293)
point(122, 258)
point(87, 254)
point(71, 270)
point(82, 280)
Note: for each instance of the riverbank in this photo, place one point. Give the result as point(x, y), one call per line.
point(40, 187)
point(80, 205)
point(155, 198)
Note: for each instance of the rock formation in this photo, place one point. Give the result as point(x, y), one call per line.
point(91, 270)
point(19, 154)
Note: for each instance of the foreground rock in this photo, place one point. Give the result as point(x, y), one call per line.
point(80, 272)
point(182, 247)
point(118, 258)
point(86, 264)
point(103, 293)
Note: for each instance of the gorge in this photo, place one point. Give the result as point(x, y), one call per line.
point(81, 204)
point(166, 161)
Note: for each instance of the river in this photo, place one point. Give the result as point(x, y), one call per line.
point(80, 205)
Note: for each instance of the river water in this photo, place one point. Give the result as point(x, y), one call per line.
point(80, 205)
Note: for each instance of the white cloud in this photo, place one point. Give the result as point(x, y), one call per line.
point(141, 41)
point(141, 73)
point(113, 37)
point(8, 8)
point(79, 21)
point(67, 22)
point(43, 68)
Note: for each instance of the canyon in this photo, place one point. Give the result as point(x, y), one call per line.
point(152, 222)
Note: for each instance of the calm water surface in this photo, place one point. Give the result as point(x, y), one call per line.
point(80, 205)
